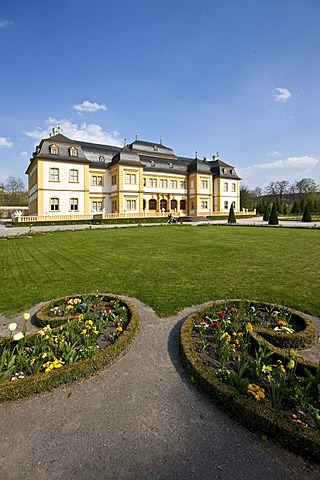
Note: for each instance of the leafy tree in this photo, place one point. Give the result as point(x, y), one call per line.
point(266, 215)
point(306, 214)
point(295, 207)
point(232, 217)
point(285, 209)
point(273, 220)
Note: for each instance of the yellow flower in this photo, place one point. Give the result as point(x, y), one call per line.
point(80, 317)
point(84, 331)
point(44, 355)
point(291, 364)
point(26, 316)
point(119, 329)
point(249, 327)
point(69, 307)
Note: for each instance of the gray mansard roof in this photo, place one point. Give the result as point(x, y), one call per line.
point(152, 156)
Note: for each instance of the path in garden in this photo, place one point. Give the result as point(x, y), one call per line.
point(139, 419)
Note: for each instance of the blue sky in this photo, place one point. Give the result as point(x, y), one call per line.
point(238, 77)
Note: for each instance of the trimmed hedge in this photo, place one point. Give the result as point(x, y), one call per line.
point(42, 382)
point(246, 410)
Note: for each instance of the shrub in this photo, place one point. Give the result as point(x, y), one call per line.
point(266, 215)
point(232, 217)
point(273, 220)
point(306, 214)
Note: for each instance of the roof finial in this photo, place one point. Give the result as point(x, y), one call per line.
point(160, 140)
point(136, 137)
point(124, 142)
point(196, 152)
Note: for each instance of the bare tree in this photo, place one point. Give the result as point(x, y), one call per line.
point(14, 192)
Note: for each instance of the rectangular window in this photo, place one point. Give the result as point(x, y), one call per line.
point(163, 183)
point(173, 184)
point(182, 184)
point(114, 206)
point(96, 206)
point(131, 178)
point(225, 187)
point(226, 205)
point(54, 204)
point(131, 204)
point(192, 205)
point(74, 176)
point(233, 187)
point(152, 182)
point(114, 180)
point(54, 174)
point(204, 183)
point(96, 180)
point(204, 205)
point(192, 183)
point(73, 204)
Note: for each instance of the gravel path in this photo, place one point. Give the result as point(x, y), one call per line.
point(139, 419)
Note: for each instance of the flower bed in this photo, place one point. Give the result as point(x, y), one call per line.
point(256, 381)
point(79, 343)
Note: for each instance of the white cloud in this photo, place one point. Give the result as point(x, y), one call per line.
point(24, 154)
point(87, 106)
point(5, 23)
point(87, 132)
point(289, 169)
point(281, 94)
point(4, 142)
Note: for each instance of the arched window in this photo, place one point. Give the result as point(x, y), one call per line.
point(144, 205)
point(163, 204)
point(152, 204)
point(225, 187)
point(54, 150)
point(73, 152)
point(182, 204)
point(174, 204)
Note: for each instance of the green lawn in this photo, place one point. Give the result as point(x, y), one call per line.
point(166, 267)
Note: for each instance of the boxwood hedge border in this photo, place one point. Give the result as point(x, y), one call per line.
point(35, 384)
point(247, 411)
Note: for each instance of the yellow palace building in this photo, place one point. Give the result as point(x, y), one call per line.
point(69, 177)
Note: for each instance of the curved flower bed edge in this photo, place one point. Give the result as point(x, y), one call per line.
point(244, 409)
point(42, 382)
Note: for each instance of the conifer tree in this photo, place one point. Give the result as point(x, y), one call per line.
point(232, 217)
point(306, 214)
point(273, 220)
point(266, 215)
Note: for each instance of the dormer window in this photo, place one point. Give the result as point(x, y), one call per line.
point(101, 158)
point(170, 165)
point(152, 163)
point(73, 152)
point(155, 148)
point(54, 150)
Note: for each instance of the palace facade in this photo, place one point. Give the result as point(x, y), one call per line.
point(73, 177)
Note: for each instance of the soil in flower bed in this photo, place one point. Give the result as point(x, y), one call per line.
point(221, 338)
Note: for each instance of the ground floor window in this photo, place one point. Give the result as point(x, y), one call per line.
point(54, 204)
point(97, 206)
point(114, 206)
point(152, 204)
point(74, 204)
point(182, 204)
point(131, 204)
point(163, 205)
point(174, 204)
point(204, 205)
point(226, 205)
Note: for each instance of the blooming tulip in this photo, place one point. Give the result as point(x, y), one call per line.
point(26, 316)
point(12, 327)
point(18, 336)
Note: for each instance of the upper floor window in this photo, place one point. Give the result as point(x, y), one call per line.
point(173, 184)
point(163, 183)
point(96, 180)
point(54, 150)
point(152, 163)
point(225, 187)
point(152, 182)
point(183, 184)
point(74, 176)
point(73, 152)
point(74, 207)
point(101, 158)
point(170, 164)
point(233, 187)
point(204, 183)
point(54, 175)
point(114, 180)
point(131, 178)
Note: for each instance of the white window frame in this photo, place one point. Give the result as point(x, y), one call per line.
point(74, 204)
point(73, 175)
point(131, 205)
point(54, 174)
point(55, 203)
point(131, 178)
